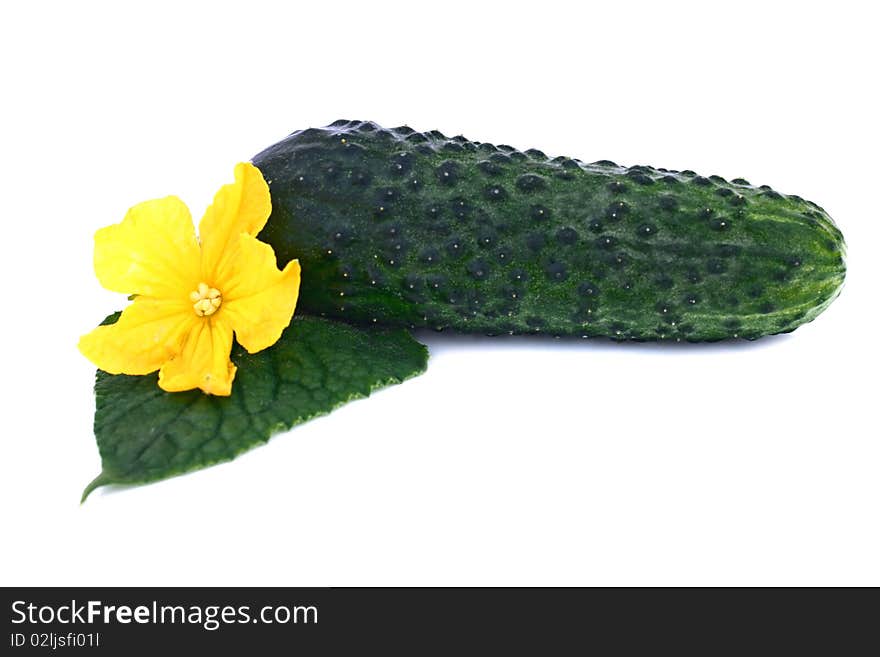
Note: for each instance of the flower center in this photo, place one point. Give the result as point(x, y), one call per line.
point(206, 300)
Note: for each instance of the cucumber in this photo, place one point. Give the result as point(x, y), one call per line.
point(398, 227)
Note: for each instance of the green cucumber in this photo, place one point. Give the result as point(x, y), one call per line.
point(398, 227)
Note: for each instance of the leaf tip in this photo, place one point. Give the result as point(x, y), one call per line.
point(101, 480)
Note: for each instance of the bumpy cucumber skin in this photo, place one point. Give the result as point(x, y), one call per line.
point(407, 228)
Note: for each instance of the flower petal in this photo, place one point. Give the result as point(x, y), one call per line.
point(203, 362)
point(258, 299)
point(153, 251)
point(148, 333)
point(242, 207)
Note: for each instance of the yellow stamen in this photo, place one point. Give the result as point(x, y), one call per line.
point(206, 300)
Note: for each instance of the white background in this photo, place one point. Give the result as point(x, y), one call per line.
point(511, 461)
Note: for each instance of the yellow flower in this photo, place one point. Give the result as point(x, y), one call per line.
point(191, 294)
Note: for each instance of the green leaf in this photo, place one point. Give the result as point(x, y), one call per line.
point(145, 434)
